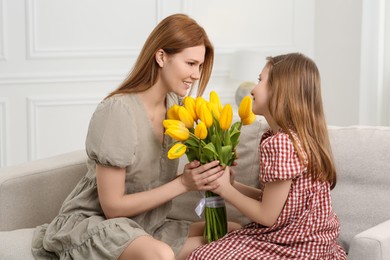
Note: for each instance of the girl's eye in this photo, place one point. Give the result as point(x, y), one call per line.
point(191, 63)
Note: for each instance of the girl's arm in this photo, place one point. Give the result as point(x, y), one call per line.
point(115, 203)
point(264, 212)
point(248, 191)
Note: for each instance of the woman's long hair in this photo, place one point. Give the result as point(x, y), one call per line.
point(296, 103)
point(173, 34)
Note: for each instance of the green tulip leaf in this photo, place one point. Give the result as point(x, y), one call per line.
point(226, 154)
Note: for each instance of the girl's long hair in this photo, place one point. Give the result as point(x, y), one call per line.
point(173, 34)
point(296, 103)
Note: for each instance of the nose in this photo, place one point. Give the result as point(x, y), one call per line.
point(196, 73)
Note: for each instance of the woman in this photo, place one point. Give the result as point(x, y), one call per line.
point(119, 209)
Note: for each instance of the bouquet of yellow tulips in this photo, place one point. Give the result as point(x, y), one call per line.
point(204, 132)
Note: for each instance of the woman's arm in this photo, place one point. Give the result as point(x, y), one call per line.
point(264, 212)
point(115, 203)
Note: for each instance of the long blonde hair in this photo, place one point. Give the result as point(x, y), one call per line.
point(296, 103)
point(173, 34)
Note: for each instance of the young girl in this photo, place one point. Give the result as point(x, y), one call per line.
point(291, 213)
point(119, 209)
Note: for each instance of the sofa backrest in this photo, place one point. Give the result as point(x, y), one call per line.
point(361, 198)
point(32, 193)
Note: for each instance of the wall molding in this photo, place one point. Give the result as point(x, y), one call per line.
point(33, 106)
point(38, 78)
point(36, 52)
point(3, 132)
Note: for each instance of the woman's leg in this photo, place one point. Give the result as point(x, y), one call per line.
point(195, 238)
point(146, 248)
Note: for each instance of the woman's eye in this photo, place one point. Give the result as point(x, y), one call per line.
point(191, 63)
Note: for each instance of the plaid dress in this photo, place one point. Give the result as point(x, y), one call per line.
point(307, 227)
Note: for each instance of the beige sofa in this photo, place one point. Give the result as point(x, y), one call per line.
point(31, 194)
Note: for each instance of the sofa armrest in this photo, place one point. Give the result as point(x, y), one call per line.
point(373, 243)
point(32, 193)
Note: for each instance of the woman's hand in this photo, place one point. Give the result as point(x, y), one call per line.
point(201, 177)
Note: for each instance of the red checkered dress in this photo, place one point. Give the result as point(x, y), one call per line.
point(307, 227)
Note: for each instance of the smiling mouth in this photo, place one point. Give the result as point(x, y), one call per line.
point(188, 84)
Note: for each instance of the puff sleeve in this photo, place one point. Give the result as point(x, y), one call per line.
point(279, 159)
point(111, 138)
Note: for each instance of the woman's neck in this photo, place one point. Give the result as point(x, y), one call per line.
point(153, 97)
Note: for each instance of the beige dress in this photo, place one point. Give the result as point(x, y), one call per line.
point(120, 134)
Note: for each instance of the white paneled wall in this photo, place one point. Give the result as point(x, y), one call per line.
point(58, 58)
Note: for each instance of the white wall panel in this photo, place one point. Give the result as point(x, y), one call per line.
point(234, 26)
point(62, 52)
point(57, 125)
point(88, 28)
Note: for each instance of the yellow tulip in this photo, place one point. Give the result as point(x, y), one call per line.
point(198, 103)
point(226, 117)
point(205, 115)
point(186, 117)
point(214, 110)
point(189, 104)
point(178, 133)
point(173, 112)
point(215, 99)
point(172, 122)
point(177, 150)
point(249, 120)
point(245, 108)
point(201, 130)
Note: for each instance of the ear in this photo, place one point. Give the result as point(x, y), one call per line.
point(160, 57)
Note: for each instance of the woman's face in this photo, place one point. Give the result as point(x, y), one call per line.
point(180, 71)
point(260, 94)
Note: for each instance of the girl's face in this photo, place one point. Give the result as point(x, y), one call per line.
point(180, 71)
point(260, 94)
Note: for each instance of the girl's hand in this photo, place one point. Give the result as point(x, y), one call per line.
point(226, 181)
point(201, 177)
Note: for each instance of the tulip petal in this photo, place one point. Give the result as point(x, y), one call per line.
point(186, 117)
point(177, 150)
point(178, 133)
point(172, 112)
point(245, 108)
point(189, 104)
point(201, 130)
point(226, 117)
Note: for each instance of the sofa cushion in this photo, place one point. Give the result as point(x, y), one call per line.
point(361, 196)
point(247, 171)
point(16, 245)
